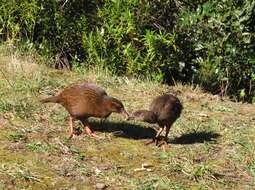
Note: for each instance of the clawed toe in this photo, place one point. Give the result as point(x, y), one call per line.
point(94, 135)
point(91, 133)
point(70, 136)
point(154, 140)
point(158, 141)
point(150, 142)
point(162, 143)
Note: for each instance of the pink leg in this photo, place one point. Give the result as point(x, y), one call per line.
point(158, 134)
point(88, 131)
point(71, 124)
point(165, 138)
point(155, 139)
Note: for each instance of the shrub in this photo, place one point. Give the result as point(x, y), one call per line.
point(210, 43)
point(223, 37)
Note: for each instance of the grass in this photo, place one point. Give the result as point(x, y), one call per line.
point(210, 147)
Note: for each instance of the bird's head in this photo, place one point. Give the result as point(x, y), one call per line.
point(116, 106)
point(143, 115)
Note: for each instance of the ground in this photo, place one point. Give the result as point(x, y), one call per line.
point(211, 146)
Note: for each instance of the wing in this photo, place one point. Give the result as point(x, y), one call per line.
point(83, 100)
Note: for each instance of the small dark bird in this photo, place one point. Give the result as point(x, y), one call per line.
point(86, 100)
point(164, 110)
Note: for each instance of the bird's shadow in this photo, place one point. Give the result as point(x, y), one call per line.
point(136, 131)
point(195, 137)
point(124, 129)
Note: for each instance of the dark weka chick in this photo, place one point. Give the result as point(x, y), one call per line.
point(164, 110)
point(86, 100)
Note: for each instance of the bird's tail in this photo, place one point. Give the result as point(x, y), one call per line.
point(52, 99)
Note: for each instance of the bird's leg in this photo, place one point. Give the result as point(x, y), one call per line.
point(71, 125)
point(158, 134)
point(166, 135)
point(89, 131)
point(155, 139)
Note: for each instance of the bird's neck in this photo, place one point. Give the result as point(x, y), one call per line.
point(152, 118)
point(106, 106)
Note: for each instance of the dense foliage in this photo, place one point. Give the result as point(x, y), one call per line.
point(210, 43)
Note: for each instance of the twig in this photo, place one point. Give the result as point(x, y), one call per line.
point(64, 4)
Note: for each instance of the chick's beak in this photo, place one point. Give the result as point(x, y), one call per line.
point(125, 114)
point(131, 117)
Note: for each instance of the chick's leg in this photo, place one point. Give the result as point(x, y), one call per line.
point(167, 132)
point(166, 135)
point(158, 134)
point(155, 139)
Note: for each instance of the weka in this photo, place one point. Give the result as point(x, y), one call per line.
point(86, 100)
point(164, 110)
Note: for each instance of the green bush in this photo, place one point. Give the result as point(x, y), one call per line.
point(223, 38)
point(17, 19)
point(210, 43)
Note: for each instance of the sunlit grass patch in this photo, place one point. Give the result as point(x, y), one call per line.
point(16, 136)
point(211, 146)
point(40, 147)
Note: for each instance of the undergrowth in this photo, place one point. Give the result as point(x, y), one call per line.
point(209, 43)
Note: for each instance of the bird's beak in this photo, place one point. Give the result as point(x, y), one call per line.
point(125, 114)
point(131, 117)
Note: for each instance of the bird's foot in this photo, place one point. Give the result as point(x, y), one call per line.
point(158, 142)
point(91, 133)
point(154, 140)
point(94, 135)
point(164, 142)
point(71, 135)
point(150, 142)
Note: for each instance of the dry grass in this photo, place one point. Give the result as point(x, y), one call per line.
point(210, 147)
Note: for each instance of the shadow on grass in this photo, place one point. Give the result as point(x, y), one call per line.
point(195, 137)
point(123, 129)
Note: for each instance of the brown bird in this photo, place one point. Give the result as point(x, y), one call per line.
point(86, 100)
point(164, 110)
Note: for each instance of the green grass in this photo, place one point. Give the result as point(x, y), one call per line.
point(210, 147)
